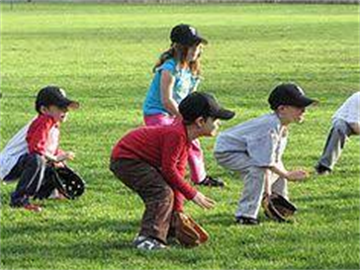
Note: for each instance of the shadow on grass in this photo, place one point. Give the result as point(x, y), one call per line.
point(313, 263)
point(100, 242)
point(72, 226)
point(68, 239)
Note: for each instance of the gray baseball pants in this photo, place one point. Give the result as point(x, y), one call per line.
point(335, 143)
point(254, 182)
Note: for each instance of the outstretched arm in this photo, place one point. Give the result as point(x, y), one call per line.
point(295, 175)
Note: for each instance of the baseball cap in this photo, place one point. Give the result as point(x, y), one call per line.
point(289, 94)
point(187, 35)
point(54, 95)
point(199, 104)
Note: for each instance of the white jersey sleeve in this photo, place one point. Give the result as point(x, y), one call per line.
point(349, 111)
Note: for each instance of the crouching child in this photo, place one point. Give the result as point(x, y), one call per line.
point(33, 153)
point(254, 149)
point(152, 161)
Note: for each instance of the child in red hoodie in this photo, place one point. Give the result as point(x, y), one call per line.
point(151, 161)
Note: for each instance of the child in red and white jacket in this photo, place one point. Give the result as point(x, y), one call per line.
point(31, 153)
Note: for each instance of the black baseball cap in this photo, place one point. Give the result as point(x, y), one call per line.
point(202, 104)
point(289, 94)
point(54, 95)
point(187, 35)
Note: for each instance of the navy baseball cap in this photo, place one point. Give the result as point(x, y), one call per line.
point(289, 94)
point(54, 95)
point(202, 104)
point(187, 35)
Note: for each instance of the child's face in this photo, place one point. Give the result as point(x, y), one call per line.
point(290, 114)
point(210, 126)
point(194, 52)
point(59, 114)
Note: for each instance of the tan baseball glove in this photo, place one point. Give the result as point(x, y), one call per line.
point(187, 231)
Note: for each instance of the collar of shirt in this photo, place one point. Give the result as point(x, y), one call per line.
point(47, 116)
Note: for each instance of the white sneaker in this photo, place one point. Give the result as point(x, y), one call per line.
point(147, 243)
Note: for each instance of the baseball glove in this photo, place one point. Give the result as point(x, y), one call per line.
point(65, 180)
point(278, 208)
point(187, 231)
point(70, 184)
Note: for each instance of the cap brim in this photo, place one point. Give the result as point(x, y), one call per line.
point(305, 101)
point(74, 105)
point(203, 41)
point(70, 104)
point(224, 114)
point(200, 39)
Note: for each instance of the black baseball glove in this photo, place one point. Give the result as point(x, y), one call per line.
point(65, 180)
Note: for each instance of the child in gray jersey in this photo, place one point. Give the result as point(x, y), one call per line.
point(254, 149)
point(345, 123)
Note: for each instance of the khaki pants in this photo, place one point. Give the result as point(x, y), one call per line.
point(157, 195)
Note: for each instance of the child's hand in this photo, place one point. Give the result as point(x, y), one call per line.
point(297, 175)
point(70, 155)
point(67, 155)
point(203, 201)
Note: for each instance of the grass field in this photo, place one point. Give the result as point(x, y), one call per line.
point(103, 56)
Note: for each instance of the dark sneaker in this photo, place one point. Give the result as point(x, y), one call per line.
point(322, 170)
point(211, 182)
point(247, 221)
point(147, 243)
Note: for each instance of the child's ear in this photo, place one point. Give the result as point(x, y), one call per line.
point(281, 108)
point(200, 121)
point(43, 109)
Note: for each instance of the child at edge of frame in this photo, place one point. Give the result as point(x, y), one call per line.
point(345, 123)
point(33, 152)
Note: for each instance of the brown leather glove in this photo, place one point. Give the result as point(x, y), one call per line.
point(187, 231)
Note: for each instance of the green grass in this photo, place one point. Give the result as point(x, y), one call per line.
point(103, 55)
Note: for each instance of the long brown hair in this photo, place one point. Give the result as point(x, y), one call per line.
point(179, 53)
